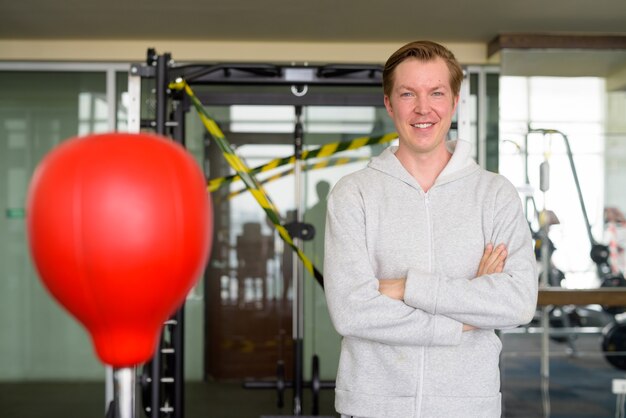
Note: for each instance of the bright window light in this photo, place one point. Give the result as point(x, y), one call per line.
point(574, 106)
point(316, 119)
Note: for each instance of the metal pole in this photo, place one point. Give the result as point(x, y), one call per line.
point(134, 103)
point(178, 334)
point(162, 62)
point(178, 341)
point(111, 91)
point(545, 361)
point(545, 282)
point(298, 282)
point(161, 92)
point(155, 384)
point(464, 125)
point(178, 131)
point(124, 392)
point(570, 158)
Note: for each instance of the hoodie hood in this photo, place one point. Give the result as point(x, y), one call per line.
point(460, 165)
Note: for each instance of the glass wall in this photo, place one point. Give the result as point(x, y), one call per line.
point(42, 105)
point(38, 110)
point(548, 96)
point(614, 177)
point(483, 108)
point(532, 103)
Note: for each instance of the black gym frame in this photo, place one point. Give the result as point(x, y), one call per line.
point(299, 78)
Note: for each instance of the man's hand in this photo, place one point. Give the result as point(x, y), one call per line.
point(393, 288)
point(492, 261)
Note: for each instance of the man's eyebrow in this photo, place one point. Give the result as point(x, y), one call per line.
point(441, 86)
point(435, 87)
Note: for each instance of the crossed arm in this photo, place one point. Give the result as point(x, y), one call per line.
point(430, 308)
point(492, 261)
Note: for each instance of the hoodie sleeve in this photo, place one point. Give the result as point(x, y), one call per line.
point(494, 301)
point(357, 309)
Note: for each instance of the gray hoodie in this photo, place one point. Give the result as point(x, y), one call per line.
point(409, 359)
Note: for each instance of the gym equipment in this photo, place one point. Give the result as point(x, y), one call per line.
point(599, 254)
point(613, 332)
point(614, 344)
point(302, 231)
point(316, 78)
point(166, 358)
point(119, 227)
point(281, 385)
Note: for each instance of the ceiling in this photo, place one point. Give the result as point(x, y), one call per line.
point(311, 20)
point(319, 21)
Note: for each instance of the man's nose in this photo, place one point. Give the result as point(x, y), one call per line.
point(421, 106)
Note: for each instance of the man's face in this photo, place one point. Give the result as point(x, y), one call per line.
point(421, 104)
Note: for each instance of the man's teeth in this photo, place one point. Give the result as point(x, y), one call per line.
point(422, 125)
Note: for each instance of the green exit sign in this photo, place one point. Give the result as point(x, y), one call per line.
point(15, 213)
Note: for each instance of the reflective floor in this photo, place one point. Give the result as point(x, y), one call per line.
point(580, 383)
point(86, 400)
point(580, 386)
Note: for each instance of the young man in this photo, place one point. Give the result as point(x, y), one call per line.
point(426, 255)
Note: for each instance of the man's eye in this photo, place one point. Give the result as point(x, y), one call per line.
point(406, 94)
point(438, 93)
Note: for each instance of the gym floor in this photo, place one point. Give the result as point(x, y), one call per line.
point(202, 400)
point(580, 386)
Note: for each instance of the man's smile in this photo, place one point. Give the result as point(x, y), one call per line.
point(422, 125)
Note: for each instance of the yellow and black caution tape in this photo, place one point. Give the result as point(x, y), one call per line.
point(244, 173)
point(323, 151)
point(309, 167)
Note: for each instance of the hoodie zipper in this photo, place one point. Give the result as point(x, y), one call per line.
point(420, 397)
point(430, 232)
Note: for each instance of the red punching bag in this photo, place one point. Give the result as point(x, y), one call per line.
point(119, 227)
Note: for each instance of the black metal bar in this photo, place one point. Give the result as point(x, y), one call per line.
point(178, 130)
point(162, 82)
point(178, 329)
point(350, 70)
point(312, 98)
point(298, 384)
point(193, 73)
point(178, 340)
point(259, 74)
point(298, 299)
point(161, 94)
point(155, 385)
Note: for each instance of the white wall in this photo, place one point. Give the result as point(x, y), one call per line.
point(199, 51)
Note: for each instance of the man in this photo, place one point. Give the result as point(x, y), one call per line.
point(413, 282)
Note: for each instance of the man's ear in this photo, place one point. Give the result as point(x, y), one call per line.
point(388, 105)
point(456, 102)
